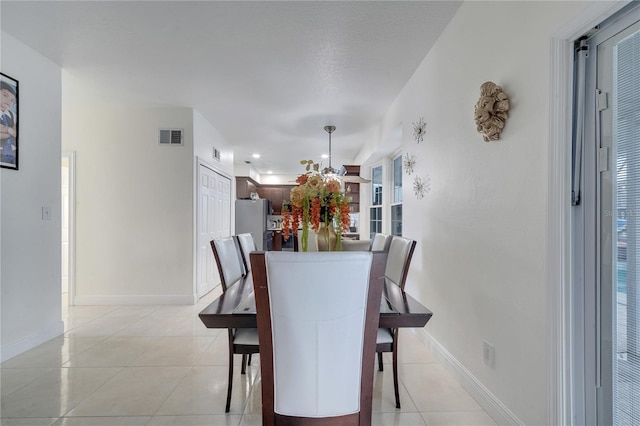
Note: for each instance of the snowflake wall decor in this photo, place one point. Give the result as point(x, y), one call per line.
point(421, 186)
point(419, 129)
point(409, 162)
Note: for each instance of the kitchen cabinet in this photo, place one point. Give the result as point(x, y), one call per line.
point(352, 189)
point(245, 186)
point(277, 241)
point(277, 194)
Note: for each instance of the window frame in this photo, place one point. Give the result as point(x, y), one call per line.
point(376, 220)
point(395, 203)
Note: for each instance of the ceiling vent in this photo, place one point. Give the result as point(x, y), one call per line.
point(171, 136)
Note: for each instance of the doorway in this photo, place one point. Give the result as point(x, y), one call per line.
point(68, 227)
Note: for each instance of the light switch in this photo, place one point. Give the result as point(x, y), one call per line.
point(46, 213)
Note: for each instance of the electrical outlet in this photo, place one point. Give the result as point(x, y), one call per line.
point(46, 213)
point(489, 354)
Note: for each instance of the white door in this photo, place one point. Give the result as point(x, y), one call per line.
point(213, 221)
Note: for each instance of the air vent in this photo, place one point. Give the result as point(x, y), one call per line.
point(216, 154)
point(170, 136)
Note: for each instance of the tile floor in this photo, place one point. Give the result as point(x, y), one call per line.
point(158, 365)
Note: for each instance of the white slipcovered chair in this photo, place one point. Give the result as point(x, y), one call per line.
point(397, 267)
point(247, 245)
point(317, 320)
point(355, 245)
point(241, 340)
point(380, 242)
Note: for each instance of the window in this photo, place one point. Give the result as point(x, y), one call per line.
point(396, 205)
point(375, 212)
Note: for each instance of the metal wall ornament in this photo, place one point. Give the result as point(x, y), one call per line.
point(491, 111)
point(419, 129)
point(421, 186)
point(409, 163)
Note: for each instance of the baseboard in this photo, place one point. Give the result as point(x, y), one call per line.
point(202, 290)
point(488, 401)
point(147, 299)
point(31, 341)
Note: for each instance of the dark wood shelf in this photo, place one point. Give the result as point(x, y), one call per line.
point(352, 189)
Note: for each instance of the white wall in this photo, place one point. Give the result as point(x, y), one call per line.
point(480, 259)
point(30, 263)
point(134, 213)
point(205, 138)
point(135, 199)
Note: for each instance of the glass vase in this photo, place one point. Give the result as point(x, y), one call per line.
point(327, 238)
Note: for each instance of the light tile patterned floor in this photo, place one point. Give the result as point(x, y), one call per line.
point(159, 366)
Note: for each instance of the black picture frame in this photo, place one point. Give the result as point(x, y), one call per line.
point(9, 101)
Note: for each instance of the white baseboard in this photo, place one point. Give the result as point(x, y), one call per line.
point(31, 341)
point(202, 290)
point(488, 401)
point(147, 299)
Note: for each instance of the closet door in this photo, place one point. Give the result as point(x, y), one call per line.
point(213, 221)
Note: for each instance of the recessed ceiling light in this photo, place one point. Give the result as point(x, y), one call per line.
point(269, 172)
point(256, 155)
point(325, 155)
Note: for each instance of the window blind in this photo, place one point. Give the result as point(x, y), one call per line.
point(627, 143)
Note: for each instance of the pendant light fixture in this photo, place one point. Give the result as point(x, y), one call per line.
point(331, 172)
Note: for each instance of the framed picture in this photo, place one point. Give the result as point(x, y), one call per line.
point(8, 122)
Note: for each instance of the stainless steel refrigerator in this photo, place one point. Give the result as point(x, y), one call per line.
point(251, 216)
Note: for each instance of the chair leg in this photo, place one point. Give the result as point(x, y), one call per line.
point(243, 369)
point(395, 367)
point(249, 360)
point(226, 409)
point(380, 367)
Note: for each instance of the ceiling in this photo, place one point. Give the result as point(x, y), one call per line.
point(269, 75)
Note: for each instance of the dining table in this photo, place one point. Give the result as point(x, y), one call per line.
point(236, 308)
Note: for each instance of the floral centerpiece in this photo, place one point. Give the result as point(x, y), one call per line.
point(317, 203)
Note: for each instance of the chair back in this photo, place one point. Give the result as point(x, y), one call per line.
point(356, 245)
point(381, 242)
point(247, 245)
point(399, 259)
point(317, 333)
point(229, 260)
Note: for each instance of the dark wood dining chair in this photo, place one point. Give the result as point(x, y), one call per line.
point(397, 268)
point(317, 318)
point(243, 341)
